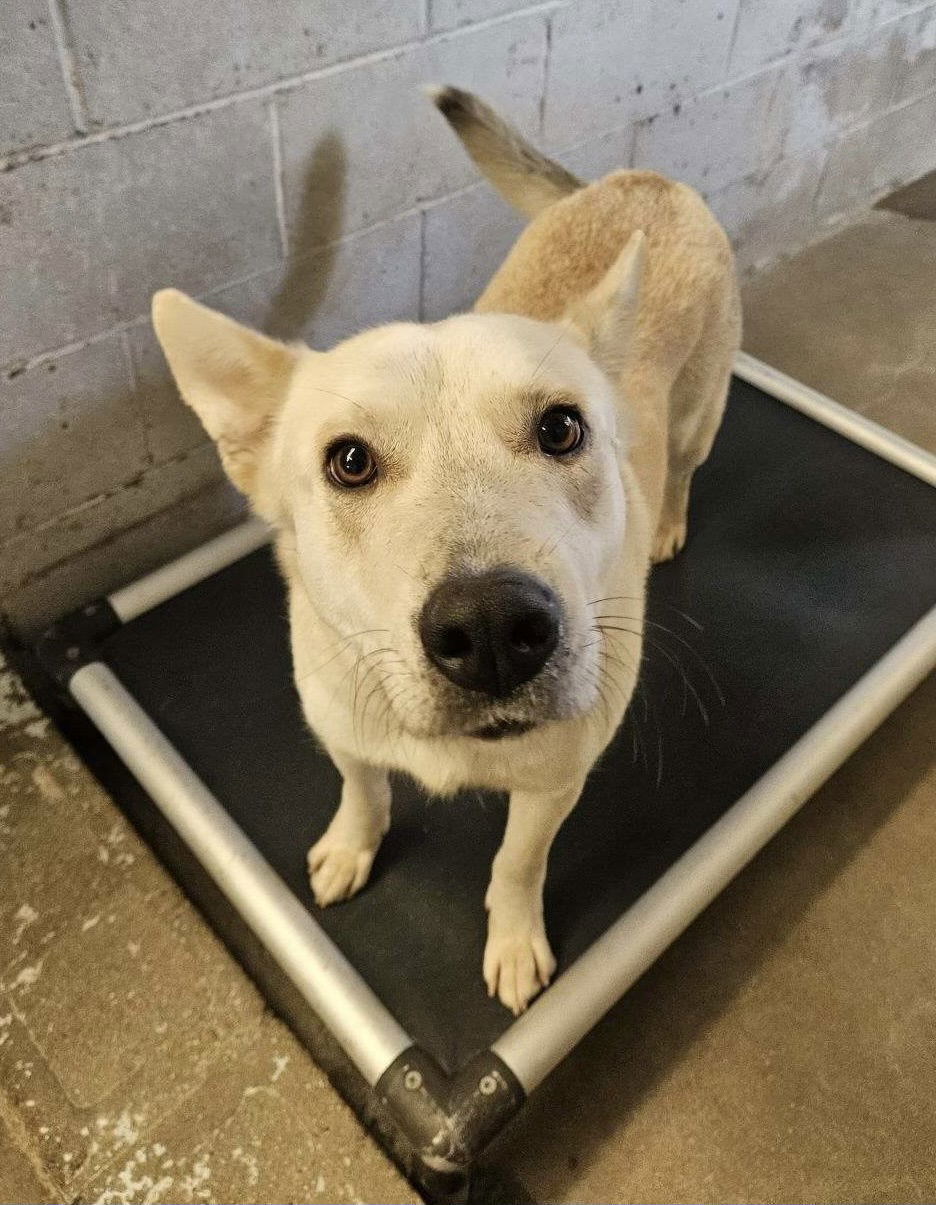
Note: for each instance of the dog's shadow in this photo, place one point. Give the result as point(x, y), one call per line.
point(312, 239)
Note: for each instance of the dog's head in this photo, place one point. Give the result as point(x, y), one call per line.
point(451, 492)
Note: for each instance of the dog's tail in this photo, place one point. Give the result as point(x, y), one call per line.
point(523, 177)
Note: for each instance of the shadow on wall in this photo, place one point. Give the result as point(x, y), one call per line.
point(317, 228)
point(143, 482)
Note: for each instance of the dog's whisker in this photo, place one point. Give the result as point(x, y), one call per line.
point(611, 627)
point(358, 686)
point(673, 661)
point(354, 697)
point(406, 572)
point(344, 397)
point(378, 685)
point(390, 696)
point(650, 710)
point(547, 552)
point(677, 665)
point(608, 680)
point(595, 681)
point(344, 642)
point(375, 668)
point(387, 710)
point(564, 330)
point(686, 616)
point(614, 598)
point(700, 660)
point(639, 746)
point(628, 666)
point(688, 646)
point(382, 717)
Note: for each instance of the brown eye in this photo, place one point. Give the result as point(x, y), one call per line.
point(351, 464)
point(560, 431)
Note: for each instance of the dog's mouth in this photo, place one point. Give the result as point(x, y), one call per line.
point(502, 728)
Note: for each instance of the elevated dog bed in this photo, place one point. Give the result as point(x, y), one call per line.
point(800, 613)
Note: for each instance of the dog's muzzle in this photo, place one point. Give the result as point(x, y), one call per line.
point(490, 632)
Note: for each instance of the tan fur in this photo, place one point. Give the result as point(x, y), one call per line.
point(525, 178)
point(618, 299)
point(688, 324)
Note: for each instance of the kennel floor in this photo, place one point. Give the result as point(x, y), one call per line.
point(808, 558)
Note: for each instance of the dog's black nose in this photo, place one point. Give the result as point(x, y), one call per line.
point(491, 631)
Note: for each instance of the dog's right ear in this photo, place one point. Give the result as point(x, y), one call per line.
point(607, 315)
point(233, 378)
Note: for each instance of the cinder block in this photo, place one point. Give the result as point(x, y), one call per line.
point(612, 62)
point(466, 240)
point(173, 516)
point(769, 31)
point(141, 60)
point(832, 87)
point(598, 156)
point(447, 14)
point(912, 51)
point(69, 433)
point(171, 427)
point(774, 213)
point(875, 12)
point(92, 232)
point(50, 557)
point(33, 102)
point(397, 150)
point(363, 280)
point(720, 136)
point(841, 83)
point(875, 158)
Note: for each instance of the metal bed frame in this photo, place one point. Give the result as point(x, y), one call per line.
point(449, 1120)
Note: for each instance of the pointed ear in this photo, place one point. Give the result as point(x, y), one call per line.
point(233, 378)
point(607, 316)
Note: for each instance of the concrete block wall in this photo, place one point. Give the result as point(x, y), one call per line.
point(279, 161)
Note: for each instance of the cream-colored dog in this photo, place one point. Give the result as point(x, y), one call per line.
point(466, 511)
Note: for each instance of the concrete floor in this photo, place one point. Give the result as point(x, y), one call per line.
point(784, 1049)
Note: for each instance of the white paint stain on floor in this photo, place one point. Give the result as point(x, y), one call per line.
point(24, 917)
point(16, 707)
point(27, 977)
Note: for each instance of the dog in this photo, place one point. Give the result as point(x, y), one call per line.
point(465, 512)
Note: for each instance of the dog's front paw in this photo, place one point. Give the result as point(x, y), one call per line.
point(336, 870)
point(518, 964)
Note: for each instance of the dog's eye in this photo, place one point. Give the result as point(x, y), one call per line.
point(351, 464)
point(560, 431)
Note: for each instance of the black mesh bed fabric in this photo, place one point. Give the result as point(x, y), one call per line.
point(808, 557)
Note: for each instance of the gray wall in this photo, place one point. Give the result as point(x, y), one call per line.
point(277, 159)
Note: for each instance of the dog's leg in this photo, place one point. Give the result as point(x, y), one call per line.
point(697, 403)
point(340, 861)
point(517, 959)
point(671, 530)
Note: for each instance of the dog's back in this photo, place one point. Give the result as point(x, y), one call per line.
point(688, 327)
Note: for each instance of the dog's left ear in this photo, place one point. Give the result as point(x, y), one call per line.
point(607, 315)
point(235, 379)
